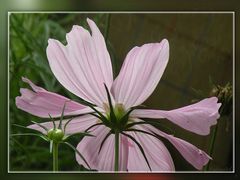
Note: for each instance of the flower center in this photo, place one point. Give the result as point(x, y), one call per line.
point(117, 118)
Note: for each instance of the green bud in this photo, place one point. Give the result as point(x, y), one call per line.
point(56, 135)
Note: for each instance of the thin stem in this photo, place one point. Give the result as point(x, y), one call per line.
point(108, 16)
point(116, 150)
point(212, 142)
point(55, 156)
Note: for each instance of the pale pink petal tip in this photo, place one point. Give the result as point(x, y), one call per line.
point(141, 71)
point(195, 156)
point(83, 65)
point(191, 153)
point(197, 118)
point(41, 103)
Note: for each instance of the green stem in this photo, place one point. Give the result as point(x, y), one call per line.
point(116, 150)
point(212, 142)
point(55, 156)
point(107, 27)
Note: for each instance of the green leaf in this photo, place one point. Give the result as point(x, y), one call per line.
point(142, 131)
point(40, 125)
point(24, 127)
point(65, 125)
point(103, 141)
point(125, 118)
point(103, 118)
point(31, 134)
point(112, 114)
point(153, 123)
point(54, 124)
point(60, 123)
point(79, 133)
point(92, 126)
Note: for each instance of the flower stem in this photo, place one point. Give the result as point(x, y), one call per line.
point(212, 142)
point(116, 150)
point(55, 156)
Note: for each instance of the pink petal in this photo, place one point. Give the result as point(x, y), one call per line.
point(102, 53)
point(156, 153)
point(83, 65)
point(191, 153)
point(104, 161)
point(140, 73)
point(197, 118)
point(40, 102)
point(78, 124)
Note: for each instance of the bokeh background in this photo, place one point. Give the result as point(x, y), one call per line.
point(201, 59)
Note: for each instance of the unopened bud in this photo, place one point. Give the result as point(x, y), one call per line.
point(56, 135)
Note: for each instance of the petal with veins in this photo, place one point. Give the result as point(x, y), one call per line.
point(140, 73)
point(156, 153)
point(40, 102)
point(103, 161)
point(191, 153)
point(197, 118)
point(84, 65)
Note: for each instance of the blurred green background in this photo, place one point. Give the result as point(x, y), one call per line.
point(201, 56)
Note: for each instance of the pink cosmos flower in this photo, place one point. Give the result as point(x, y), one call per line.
point(83, 67)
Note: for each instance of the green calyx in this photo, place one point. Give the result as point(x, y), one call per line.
point(118, 111)
point(55, 135)
point(116, 118)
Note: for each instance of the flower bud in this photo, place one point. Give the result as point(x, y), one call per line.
point(56, 135)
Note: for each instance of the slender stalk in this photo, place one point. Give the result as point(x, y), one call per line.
point(108, 16)
point(212, 142)
point(55, 156)
point(116, 150)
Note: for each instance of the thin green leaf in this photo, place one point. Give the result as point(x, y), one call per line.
point(112, 114)
point(139, 146)
point(60, 123)
point(153, 123)
point(79, 133)
point(40, 125)
point(54, 124)
point(17, 125)
point(104, 120)
point(142, 131)
point(65, 125)
point(103, 141)
point(94, 109)
point(125, 118)
point(31, 134)
point(92, 126)
point(135, 123)
point(71, 146)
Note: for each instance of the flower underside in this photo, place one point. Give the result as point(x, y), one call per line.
point(82, 67)
point(115, 117)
